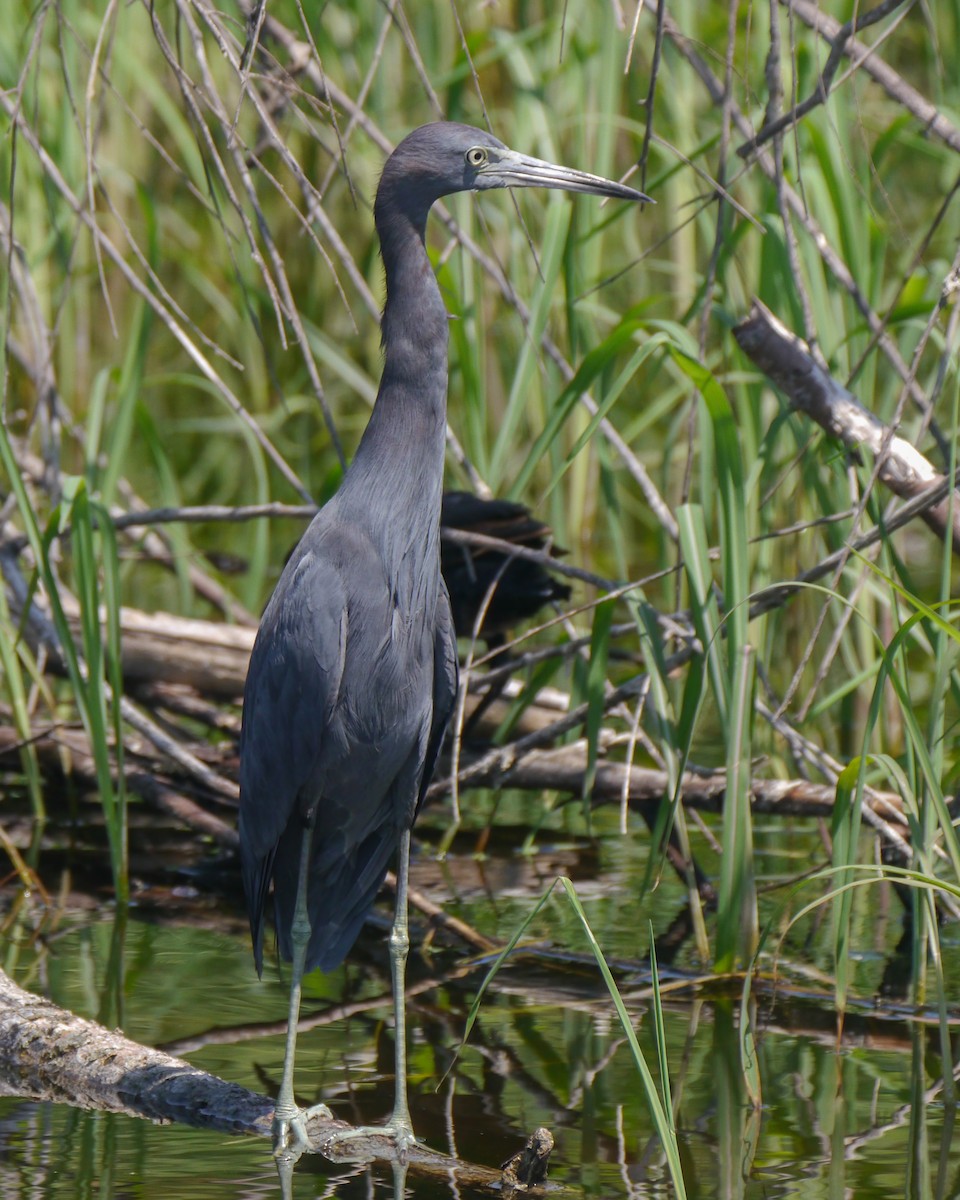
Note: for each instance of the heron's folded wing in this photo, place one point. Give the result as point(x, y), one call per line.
point(291, 691)
point(446, 675)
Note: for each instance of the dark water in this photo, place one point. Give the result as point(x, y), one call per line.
point(862, 1118)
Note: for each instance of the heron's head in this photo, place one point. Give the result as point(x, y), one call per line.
point(444, 157)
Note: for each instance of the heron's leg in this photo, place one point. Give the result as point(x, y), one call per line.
point(288, 1117)
point(399, 946)
point(399, 1127)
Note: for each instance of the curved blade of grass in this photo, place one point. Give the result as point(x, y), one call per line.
point(662, 1121)
point(662, 1117)
point(920, 607)
point(610, 396)
point(17, 694)
point(704, 609)
point(866, 875)
point(540, 677)
point(497, 964)
point(845, 830)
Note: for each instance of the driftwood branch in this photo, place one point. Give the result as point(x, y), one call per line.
point(787, 362)
point(49, 1054)
point(563, 769)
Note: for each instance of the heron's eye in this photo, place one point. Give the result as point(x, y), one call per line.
point(476, 156)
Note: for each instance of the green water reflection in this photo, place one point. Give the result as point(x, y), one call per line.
point(866, 1119)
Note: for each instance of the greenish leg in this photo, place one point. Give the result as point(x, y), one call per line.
point(400, 1122)
point(288, 1117)
point(399, 1127)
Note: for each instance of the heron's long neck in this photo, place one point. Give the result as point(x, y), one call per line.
point(399, 463)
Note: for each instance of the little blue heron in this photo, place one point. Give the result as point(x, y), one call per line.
point(354, 671)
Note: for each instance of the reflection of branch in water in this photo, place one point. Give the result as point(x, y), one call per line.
point(330, 1015)
point(904, 1115)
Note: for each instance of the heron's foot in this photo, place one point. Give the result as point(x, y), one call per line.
point(290, 1128)
point(398, 1130)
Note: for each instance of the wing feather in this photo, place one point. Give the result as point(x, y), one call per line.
point(446, 680)
point(292, 686)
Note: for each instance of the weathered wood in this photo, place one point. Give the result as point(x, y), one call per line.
point(159, 647)
point(50, 1054)
point(789, 363)
point(563, 770)
point(528, 1167)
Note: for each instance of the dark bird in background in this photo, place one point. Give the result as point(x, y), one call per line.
point(520, 588)
point(354, 671)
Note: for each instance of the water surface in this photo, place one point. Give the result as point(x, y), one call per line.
point(864, 1117)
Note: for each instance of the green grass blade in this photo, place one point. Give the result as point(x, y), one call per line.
point(704, 608)
point(845, 831)
point(737, 921)
point(86, 568)
point(749, 1057)
point(551, 260)
point(734, 546)
point(663, 1122)
point(38, 545)
point(129, 389)
point(110, 561)
point(610, 396)
point(660, 1033)
point(498, 963)
point(16, 689)
point(595, 362)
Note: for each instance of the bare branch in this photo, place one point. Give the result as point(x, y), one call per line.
point(789, 363)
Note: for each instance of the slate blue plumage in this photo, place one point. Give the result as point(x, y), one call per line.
point(354, 671)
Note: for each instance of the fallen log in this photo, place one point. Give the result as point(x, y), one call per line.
point(50, 1054)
